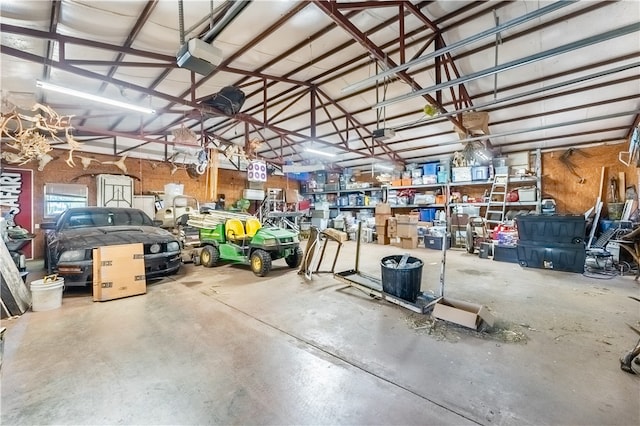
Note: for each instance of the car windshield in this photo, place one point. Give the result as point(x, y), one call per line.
point(85, 219)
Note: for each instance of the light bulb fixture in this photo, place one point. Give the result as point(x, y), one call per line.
point(315, 151)
point(89, 96)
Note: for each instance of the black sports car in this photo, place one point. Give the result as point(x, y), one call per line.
point(71, 239)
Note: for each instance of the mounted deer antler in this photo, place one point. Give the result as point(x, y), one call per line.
point(86, 161)
point(119, 164)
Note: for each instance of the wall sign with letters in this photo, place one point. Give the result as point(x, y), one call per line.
point(16, 195)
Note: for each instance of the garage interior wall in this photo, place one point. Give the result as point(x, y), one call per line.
point(573, 197)
point(153, 177)
point(558, 182)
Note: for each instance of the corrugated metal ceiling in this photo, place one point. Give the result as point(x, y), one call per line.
point(572, 77)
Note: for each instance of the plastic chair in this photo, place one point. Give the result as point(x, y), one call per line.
point(234, 230)
point(252, 225)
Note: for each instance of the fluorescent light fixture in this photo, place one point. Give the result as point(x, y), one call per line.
point(384, 167)
point(76, 93)
point(315, 151)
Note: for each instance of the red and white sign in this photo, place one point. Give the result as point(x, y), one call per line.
point(16, 195)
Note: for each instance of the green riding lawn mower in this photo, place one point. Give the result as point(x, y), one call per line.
point(217, 236)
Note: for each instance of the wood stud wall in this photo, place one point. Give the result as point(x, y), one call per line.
point(573, 197)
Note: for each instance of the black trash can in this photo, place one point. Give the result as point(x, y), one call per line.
point(403, 282)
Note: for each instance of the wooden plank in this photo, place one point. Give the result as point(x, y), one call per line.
point(622, 186)
point(15, 285)
point(601, 187)
point(594, 226)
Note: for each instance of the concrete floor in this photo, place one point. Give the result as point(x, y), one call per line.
point(219, 346)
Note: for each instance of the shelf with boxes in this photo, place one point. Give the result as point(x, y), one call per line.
point(416, 196)
point(521, 192)
point(432, 173)
point(352, 198)
point(470, 186)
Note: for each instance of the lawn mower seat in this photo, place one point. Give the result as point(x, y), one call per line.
point(234, 230)
point(252, 225)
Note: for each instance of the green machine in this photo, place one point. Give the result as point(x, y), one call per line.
point(240, 238)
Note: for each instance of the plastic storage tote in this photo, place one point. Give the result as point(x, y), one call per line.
point(561, 229)
point(560, 257)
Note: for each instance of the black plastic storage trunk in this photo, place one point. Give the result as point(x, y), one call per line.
point(559, 257)
point(562, 229)
point(505, 253)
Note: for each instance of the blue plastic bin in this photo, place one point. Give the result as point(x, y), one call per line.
point(427, 215)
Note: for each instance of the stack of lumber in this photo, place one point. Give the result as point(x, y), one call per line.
point(214, 218)
point(16, 298)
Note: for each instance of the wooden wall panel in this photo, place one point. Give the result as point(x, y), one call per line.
point(574, 197)
point(152, 178)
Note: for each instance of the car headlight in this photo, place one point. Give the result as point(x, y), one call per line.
point(270, 242)
point(173, 246)
point(155, 248)
point(71, 256)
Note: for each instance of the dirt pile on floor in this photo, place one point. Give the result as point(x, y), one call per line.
point(502, 331)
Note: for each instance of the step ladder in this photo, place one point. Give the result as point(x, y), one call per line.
point(497, 203)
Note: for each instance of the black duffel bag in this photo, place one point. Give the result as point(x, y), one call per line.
point(228, 100)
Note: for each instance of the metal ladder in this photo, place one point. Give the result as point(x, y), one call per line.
point(497, 203)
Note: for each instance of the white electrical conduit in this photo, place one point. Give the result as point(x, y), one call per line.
point(627, 29)
point(491, 31)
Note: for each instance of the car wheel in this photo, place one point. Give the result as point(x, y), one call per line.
point(260, 263)
point(294, 259)
point(209, 256)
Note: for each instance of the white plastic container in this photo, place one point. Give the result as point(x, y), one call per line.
point(527, 194)
point(46, 294)
point(171, 190)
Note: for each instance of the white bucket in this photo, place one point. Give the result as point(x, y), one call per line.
point(46, 294)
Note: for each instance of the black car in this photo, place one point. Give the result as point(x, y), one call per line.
point(71, 239)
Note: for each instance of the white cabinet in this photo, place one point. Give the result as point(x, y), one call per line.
point(146, 203)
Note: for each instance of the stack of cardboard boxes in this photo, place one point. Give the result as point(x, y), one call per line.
point(401, 230)
point(383, 213)
point(407, 230)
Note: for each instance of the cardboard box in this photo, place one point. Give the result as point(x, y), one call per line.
point(118, 271)
point(383, 208)
point(392, 227)
point(405, 181)
point(337, 235)
point(408, 218)
point(464, 313)
point(407, 225)
point(381, 219)
point(409, 243)
point(381, 229)
point(407, 230)
point(383, 239)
